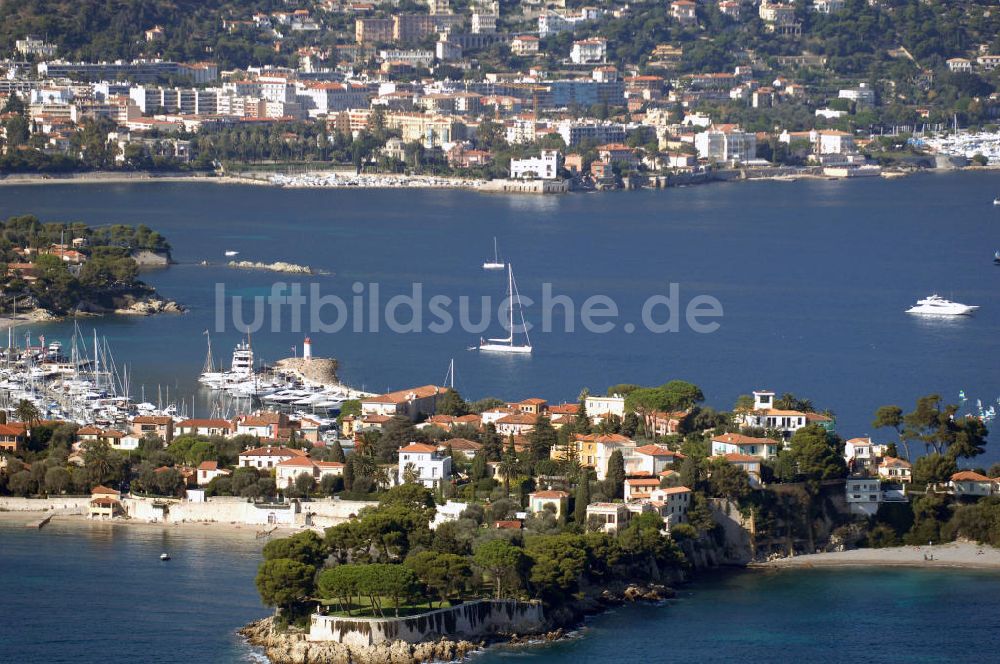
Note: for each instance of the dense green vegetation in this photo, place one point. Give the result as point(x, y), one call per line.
point(107, 268)
point(389, 562)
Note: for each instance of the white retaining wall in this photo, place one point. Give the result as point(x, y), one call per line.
point(470, 620)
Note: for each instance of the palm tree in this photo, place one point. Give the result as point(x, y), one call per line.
point(410, 474)
point(29, 414)
point(508, 469)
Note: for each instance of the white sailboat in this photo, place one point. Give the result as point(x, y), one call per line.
point(507, 345)
point(495, 264)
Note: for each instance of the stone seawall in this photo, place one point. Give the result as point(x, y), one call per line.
point(65, 505)
point(472, 620)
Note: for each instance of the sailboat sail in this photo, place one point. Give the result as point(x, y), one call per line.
point(507, 345)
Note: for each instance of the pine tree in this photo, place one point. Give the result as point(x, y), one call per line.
point(542, 438)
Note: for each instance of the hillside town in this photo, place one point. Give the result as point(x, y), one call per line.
point(543, 97)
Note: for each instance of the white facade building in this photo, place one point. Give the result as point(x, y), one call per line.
point(863, 495)
point(604, 406)
point(589, 51)
point(429, 467)
point(725, 145)
point(545, 167)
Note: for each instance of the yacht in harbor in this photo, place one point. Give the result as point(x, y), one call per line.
point(495, 264)
point(938, 306)
point(507, 345)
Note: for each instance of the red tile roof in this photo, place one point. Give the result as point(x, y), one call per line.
point(551, 493)
point(419, 448)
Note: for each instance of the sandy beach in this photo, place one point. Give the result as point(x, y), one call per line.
point(956, 554)
point(112, 177)
point(201, 528)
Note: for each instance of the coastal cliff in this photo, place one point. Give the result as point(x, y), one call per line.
point(296, 647)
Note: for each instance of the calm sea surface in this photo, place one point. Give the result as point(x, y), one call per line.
point(813, 278)
point(100, 594)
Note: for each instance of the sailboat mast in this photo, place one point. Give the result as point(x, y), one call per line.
point(510, 297)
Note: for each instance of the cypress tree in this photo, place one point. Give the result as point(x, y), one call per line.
point(337, 452)
point(582, 499)
point(349, 474)
point(615, 477)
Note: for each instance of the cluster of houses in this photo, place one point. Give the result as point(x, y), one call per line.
point(387, 67)
point(652, 483)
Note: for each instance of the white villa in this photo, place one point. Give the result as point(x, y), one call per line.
point(429, 466)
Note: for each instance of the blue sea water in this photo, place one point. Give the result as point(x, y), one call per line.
point(813, 278)
point(99, 593)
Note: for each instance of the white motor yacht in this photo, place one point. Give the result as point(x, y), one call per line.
point(936, 305)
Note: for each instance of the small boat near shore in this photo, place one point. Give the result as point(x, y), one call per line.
point(231, 253)
point(164, 557)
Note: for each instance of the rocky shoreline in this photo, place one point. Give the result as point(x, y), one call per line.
point(293, 647)
point(277, 266)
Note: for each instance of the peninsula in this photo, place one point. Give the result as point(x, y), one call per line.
point(58, 269)
point(424, 526)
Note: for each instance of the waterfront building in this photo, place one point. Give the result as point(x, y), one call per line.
point(544, 167)
point(105, 503)
point(863, 495)
point(208, 471)
point(425, 464)
point(726, 143)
